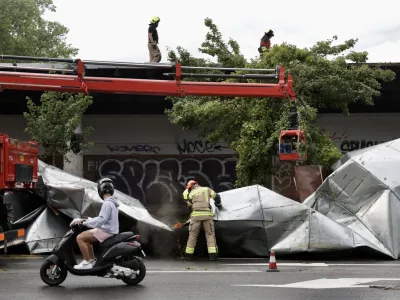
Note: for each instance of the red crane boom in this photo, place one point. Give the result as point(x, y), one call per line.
point(77, 82)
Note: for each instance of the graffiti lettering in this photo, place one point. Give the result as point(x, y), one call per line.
point(156, 182)
point(134, 148)
point(198, 146)
point(282, 178)
point(338, 137)
point(351, 145)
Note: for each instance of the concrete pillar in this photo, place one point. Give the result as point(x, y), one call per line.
point(75, 166)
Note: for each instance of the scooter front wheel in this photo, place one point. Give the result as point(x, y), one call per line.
point(52, 274)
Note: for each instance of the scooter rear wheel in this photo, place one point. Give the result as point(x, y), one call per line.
point(139, 277)
point(46, 273)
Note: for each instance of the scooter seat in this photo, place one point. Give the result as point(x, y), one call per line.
point(120, 237)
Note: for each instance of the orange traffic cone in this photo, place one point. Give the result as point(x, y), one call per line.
point(272, 263)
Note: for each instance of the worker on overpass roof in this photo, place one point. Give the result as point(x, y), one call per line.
point(265, 43)
point(154, 51)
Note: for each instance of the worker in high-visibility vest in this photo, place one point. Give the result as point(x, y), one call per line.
point(265, 43)
point(198, 199)
point(154, 50)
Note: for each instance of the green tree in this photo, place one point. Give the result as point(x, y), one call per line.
point(52, 123)
point(322, 79)
point(23, 31)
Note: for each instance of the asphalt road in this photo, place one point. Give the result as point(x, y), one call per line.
point(226, 279)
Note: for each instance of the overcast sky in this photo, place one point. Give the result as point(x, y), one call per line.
point(117, 29)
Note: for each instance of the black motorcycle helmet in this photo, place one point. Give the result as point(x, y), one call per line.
point(105, 186)
point(269, 33)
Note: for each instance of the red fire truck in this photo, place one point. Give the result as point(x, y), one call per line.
point(18, 170)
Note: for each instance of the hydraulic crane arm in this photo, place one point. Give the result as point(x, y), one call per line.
point(45, 79)
point(78, 83)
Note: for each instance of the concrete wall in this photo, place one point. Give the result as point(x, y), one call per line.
point(151, 159)
point(155, 135)
point(360, 130)
point(131, 134)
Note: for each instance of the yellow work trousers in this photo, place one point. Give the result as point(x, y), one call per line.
point(194, 230)
point(154, 53)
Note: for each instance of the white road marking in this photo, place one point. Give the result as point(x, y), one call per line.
point(380, 265)
point(205, 271)
point(313, 264)
point(281, 264)
point(242, 258)
point(324, 283)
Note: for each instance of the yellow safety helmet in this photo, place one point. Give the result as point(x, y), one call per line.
point(154, 20)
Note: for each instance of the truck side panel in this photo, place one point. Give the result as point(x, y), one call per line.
point(19, 163)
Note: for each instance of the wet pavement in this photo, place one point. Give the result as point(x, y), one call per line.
point(225, 279)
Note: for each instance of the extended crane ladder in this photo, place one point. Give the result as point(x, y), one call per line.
point(40, 79)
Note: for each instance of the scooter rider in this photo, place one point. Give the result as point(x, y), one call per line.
point(104, 226)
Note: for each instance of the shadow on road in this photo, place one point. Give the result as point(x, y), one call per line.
point(91, 289)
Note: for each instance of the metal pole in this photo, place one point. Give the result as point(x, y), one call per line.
point(36, 69)
point(244, 76)
point(47, 59)
point(227, 69)
point(5, 244)
point(128, 64)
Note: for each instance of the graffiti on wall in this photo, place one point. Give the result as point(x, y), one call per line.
point(283, 179)
point(138, 148)
point(351, 145)
point(186, 147)
point(198, 146)
point(154, 182)
point(347, 145)
point(335, 137)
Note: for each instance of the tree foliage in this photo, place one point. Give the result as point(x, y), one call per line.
point(23, 31)
point(53, 123)
point(251, 126)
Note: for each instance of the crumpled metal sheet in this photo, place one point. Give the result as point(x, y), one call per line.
point(255, 220)
point(77, 197)
point(45, 232)
point(353, 153)
point(68, 197)
point(363, 194)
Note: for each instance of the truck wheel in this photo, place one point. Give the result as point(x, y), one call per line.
point(52, 274)
point(139, 277)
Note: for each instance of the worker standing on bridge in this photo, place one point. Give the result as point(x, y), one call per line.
point(265, 43)
point(154, 51)
point(199, 201)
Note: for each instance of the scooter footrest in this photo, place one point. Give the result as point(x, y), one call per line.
point(92, 271)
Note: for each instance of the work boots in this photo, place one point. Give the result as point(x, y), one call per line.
point(213, 256)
